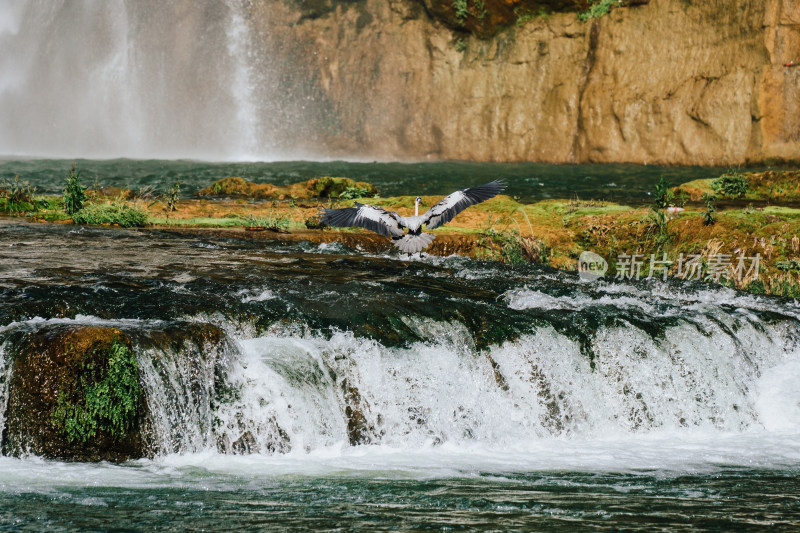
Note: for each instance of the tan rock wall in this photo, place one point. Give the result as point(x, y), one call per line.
point(670, 82)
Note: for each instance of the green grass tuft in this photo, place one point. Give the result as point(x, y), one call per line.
point(114, 213)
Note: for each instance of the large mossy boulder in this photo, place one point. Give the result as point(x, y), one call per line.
point(75, 394)
point(324, 187)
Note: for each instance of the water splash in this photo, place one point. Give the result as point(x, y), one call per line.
point(5, 379)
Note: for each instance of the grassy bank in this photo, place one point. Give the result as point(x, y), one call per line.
point(689, 226)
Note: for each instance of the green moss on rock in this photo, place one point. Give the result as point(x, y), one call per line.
point(103, 398)
point(74, 394)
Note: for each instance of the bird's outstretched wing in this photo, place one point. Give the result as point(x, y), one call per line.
point(451, 205)
point(365, 216)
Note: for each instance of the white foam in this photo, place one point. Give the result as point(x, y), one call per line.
point(292, 391)
point(88, 320)
point(663, 455)
point(778, 400)
point(659, 299)
point(256, 295)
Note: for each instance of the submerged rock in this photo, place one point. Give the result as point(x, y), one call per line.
point(359, 430)
point(75, 394)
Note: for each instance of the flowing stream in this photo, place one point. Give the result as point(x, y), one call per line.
point(349, 390)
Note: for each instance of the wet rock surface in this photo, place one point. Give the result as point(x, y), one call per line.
point(63, 363)
point(55, 365)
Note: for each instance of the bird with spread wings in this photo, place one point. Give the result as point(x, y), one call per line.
point(406, 232)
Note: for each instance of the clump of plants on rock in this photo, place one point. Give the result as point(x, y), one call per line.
point(462, 10)
point(731, 184)
point(105, 397)
point(597, 9)
point(17, 196)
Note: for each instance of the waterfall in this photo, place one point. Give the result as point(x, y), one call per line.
point(291, 390)
point(140, 79)
point(288, 392)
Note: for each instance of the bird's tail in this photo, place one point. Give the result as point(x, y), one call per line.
point(411, 244)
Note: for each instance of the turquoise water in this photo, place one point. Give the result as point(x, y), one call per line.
point(528, 181)
point(169, 496)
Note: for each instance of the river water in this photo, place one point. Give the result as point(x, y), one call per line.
point(632, 184)
point(491, 396)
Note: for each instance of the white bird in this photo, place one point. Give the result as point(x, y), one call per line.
point(393, 225)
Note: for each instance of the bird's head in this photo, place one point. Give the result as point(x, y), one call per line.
point(417, 200)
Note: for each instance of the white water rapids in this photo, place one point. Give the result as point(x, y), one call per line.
point(698, 395)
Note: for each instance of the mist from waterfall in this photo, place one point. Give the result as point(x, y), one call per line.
point(141, 79)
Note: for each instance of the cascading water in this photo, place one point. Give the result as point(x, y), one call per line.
point(297, 382)
point(307, 392)
point(143, 79)
point(5, 373)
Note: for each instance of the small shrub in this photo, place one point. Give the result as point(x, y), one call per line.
point(74, 192)
point(461, 44)
point(18, 196)
point(172, 196)
point(708, 214)
point(115, 213)
point(597, 9)
point(663, 196)
point(659, 220)
point(731, 184)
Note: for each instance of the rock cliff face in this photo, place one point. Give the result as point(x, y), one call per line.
point(671, 81)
